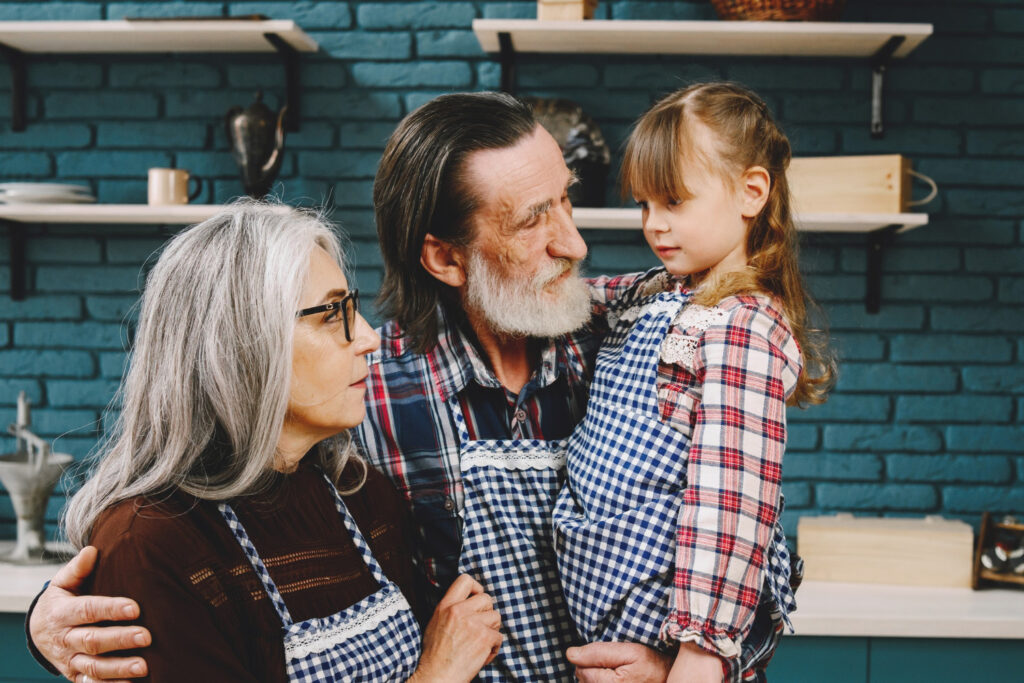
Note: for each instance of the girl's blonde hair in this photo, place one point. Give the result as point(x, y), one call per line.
point(665, 145)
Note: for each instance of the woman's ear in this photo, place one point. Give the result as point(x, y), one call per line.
point(755, 184)
point(443, 260)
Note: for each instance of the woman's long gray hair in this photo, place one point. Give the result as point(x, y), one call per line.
point(206, 392)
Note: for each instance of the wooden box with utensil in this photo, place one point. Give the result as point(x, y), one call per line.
point(850, 184)
point(565, 10)
point(929, 551)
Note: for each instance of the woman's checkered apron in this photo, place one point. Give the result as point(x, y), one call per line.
point(616, 521)
point(377, 639)
point(509, 487)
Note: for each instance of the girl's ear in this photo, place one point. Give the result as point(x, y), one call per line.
point(755, 184)
point(443, 260)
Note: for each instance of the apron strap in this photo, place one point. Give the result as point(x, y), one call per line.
point(460, 420)
point(257, 564)
point(357, 536)
point(632, 379)
point(261, 570)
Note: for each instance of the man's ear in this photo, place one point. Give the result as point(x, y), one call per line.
point(443, 260)
point(755, 184)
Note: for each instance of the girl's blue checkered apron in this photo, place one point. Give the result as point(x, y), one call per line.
point(377, 639)
point(616, 521)
point(509, 487)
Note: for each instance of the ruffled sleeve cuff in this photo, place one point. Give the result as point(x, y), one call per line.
point(682, 628)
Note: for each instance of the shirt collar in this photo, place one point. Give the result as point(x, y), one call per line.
point(455, 360)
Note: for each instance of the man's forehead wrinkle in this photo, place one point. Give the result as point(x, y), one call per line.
point(519, 183)
point(503, 210)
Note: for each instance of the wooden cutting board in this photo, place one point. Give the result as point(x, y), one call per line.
point(929, 551)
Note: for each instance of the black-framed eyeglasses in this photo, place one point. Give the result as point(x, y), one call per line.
point(346, 307)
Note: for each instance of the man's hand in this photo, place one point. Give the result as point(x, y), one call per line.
point(614, 662)
point(60, 628)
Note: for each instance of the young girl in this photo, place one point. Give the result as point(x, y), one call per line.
point(667, 530)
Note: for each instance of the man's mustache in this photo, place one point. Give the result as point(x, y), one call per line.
point(553, 271)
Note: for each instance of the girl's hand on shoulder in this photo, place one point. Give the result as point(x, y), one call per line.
point(462, 637)
point(695, 665)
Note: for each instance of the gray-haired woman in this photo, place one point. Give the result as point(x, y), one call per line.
point(228, 499)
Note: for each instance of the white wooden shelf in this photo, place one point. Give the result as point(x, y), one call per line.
point(15, 217)
point(608, 219)
point(877, 43)
point(243, 35)
point(121, 36)
point(137, 214)
point(613, 219)
point(774, 38)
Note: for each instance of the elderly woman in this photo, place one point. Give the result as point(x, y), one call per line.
point(228, 499)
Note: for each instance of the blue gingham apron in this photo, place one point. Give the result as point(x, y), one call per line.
point(509, 487)
point(377, 639)
point(616, 521)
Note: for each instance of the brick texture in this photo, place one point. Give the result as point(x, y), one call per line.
point(927, 411)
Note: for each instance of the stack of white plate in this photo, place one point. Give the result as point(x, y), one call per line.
point(45, 193)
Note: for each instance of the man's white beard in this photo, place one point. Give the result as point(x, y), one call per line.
point(520, 307)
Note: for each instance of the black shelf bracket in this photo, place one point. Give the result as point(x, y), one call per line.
point(877, 240)
point(17, 234)
point(879, 64)
point(508, 63)
point(16, 61)
point(290, 58)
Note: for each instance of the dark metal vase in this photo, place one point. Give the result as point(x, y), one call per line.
point(257, 142)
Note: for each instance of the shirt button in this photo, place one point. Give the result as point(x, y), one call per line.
point(520, 416)
point(449, 504)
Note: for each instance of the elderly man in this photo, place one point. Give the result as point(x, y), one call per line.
point(481, 376)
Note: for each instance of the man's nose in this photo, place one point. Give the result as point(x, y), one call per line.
point(567, 241)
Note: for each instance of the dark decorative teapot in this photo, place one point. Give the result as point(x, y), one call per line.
point(257, 141)
point(583, 147)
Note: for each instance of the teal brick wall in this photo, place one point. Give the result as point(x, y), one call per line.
point(927, 414)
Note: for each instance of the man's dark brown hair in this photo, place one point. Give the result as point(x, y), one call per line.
point(421, 188)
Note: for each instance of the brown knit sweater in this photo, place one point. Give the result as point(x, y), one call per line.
point(210, 618)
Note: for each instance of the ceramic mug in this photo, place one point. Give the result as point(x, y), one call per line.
point(170, 186)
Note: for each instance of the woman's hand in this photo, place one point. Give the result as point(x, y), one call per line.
point(695, 665)
point(462, 637)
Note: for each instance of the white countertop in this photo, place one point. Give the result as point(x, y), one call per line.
point(19, 584)
point(825, 609)
point(888, 611)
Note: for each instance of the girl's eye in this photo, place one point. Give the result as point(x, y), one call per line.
point(641, 204)
point(675, 202)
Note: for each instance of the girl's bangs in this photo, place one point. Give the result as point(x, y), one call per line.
point(652, 165)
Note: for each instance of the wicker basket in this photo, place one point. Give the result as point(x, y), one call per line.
point(779, 10)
